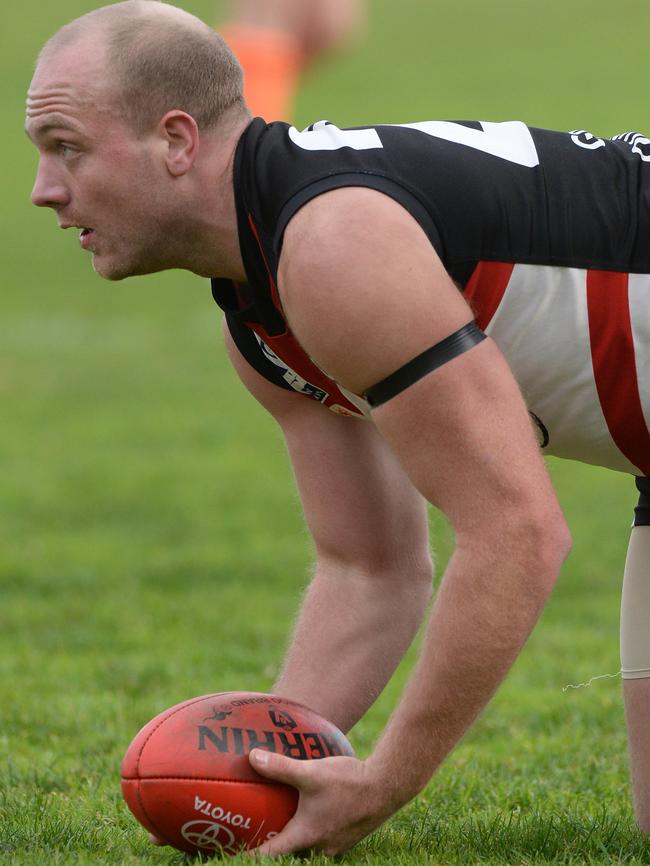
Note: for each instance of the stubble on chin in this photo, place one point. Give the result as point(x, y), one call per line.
point(113, 273)
point(149, 252)
point(116, 271)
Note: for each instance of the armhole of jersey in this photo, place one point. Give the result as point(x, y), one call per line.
point(251, 350)
point(372, 181)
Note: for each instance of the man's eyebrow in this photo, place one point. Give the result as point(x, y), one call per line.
point(53, 121)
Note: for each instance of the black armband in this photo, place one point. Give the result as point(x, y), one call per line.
point(642, 510)
point(455, 344)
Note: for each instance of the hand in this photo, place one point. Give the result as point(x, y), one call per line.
point(341, 801)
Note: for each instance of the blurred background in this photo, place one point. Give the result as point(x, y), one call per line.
point(151, 543)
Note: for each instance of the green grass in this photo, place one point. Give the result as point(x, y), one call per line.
point(151, 542)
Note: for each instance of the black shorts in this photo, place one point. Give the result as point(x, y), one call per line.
point(642, 510)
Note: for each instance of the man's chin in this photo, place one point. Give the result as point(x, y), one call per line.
point(116, 271)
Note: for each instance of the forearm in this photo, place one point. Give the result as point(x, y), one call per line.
point(352, 631)
point(484, 612)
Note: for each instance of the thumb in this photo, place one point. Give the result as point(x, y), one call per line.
point(280, 768)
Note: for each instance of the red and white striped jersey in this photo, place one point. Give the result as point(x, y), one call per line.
point(578, 342)
point(546, 233)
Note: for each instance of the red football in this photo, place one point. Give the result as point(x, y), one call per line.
point(187, 778)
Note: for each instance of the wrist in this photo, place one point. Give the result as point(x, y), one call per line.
point(397, 781)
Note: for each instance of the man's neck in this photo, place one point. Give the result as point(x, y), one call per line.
point(216, 252)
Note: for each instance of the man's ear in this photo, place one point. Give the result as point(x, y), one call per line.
point(181, 135)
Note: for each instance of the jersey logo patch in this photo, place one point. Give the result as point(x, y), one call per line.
point(585, 139)
point(639, 143)
point(302, 386)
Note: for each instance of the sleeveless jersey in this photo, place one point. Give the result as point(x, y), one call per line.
point(546, 233)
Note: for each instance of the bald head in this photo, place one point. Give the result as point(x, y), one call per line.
point(156, 58)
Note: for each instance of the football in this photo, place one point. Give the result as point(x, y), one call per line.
point(187, 778)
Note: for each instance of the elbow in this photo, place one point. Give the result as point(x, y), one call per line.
point(549, 546)
point(557, 539)
point(538, 550)
point(534, 545)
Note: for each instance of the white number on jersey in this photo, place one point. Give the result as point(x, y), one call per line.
point(511, 140)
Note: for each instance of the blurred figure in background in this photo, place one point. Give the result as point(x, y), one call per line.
point(275, 40)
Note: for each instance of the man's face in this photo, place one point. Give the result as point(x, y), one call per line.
point(93, 170)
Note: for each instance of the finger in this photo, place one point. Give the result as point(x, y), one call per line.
point(291, 840)
point(280, 768)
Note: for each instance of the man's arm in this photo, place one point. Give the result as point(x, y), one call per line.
point(365, 292)
point(373, 571)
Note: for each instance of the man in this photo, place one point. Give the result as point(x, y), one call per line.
point(338, 256)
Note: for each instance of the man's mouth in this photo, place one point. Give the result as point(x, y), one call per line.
point(86, 237)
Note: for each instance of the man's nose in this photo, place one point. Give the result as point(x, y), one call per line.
point(49, 191)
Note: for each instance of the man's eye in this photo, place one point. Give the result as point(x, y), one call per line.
point(66, 150)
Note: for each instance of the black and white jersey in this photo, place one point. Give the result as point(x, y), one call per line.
point(546, 233)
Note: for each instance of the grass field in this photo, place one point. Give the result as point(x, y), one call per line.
point(151, 543)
